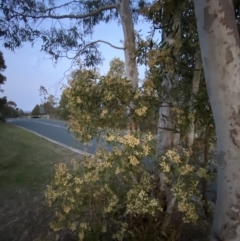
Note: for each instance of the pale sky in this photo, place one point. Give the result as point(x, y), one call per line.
point(28, 68)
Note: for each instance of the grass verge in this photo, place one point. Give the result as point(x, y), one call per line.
point(26, 167)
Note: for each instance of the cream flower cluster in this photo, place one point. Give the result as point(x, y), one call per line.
point(141, 111)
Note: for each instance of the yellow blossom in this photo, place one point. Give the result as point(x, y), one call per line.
point(133, 160)
point(141, 111)
point(129, 140)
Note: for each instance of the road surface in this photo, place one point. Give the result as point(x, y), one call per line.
point(54, 130)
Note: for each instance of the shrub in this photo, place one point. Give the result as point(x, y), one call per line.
point(116, 195)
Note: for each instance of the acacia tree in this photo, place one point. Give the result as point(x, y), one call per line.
point(219, 41)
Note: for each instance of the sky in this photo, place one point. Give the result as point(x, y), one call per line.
point(28, 67)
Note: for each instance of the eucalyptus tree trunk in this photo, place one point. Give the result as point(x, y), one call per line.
point(129, 51)
point(129, 42)
point(167, 138)
point(220, 49)
point(195, 87)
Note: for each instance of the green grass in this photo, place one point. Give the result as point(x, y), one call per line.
point(26, 167)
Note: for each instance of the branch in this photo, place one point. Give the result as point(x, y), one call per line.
point(69, 16)
point(79, 51)
point(94, 42)
point(60, 6)
point(105, 42)
point(168, 129)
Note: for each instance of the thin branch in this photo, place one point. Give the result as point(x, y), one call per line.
point(105, 42)
point(168, 129)
point(79, 51)
point(94, 42)
point(69, 16)
point(60, 6)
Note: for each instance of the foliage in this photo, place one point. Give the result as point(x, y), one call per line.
point(2, 68)
point(106, 101)
point(36, 110)
point(3, 102)
point(48, 101)
point(62, 109)
point(115, 195)
point(9, 109)
point(188, 108)
point(50, 105)
point(59, 40)
point(117, 68)
point(122, 186)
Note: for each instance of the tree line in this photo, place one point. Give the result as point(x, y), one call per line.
point(8, 108)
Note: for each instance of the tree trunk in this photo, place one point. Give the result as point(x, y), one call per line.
point(129, 51)
point(166, 137)
point(220, 49)
point(195, 87)
point(129, 42)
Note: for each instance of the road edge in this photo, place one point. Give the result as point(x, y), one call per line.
point(57, 143)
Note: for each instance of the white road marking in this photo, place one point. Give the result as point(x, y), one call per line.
point(44, 123)
point(58, 143)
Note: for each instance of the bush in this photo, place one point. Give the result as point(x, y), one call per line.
point(2, 118)
point(116, 195)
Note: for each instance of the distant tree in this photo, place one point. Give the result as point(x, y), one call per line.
point(3, 102)
point(63, 110)
point(117, 68)
point(36, 110)
point(12, 104)
point(50, 105)
point(8, 109)
point(20, 111)
point(2, 68)
point(48, 101)
point(51, 99)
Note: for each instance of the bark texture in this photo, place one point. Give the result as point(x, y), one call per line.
point(167, 138)
point(195, 87)
point(220, 49)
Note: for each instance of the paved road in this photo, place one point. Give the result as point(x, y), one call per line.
point(54, 130)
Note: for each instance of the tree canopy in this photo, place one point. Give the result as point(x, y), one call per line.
point(36, 110)
point(20, 23)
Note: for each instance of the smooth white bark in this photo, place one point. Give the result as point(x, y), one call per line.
point(129, 42)
point(129, 50)
point(220, 49)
